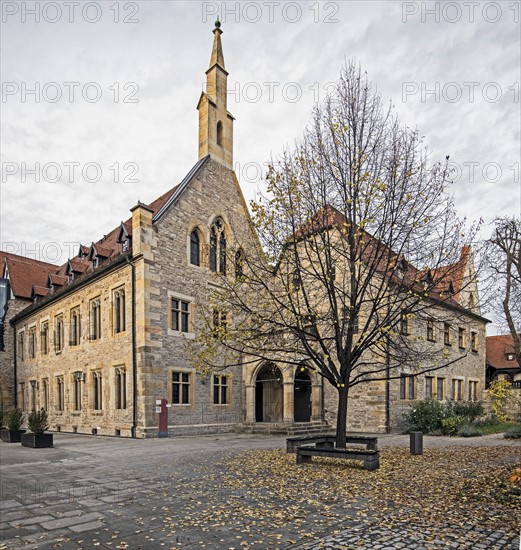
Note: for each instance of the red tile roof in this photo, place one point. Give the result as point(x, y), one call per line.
point(497, 349)
point(25, 272)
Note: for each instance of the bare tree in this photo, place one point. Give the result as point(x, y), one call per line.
point(504, 266)
point(358, 237)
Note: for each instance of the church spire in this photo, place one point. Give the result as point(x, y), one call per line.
point(215, 122)
point(217, 57)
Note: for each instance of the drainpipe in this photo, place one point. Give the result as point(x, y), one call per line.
point(387, 381)
point(15, 377)
point(134, 359)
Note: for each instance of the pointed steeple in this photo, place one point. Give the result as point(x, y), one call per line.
point(217, 57)
point(215, 122)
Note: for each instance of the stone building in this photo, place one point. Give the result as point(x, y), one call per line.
point(98, 340)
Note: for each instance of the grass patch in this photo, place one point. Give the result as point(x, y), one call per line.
point(497, 427)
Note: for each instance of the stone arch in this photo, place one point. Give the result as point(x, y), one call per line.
point(269, 393)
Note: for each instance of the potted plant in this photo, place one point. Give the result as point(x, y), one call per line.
point(36, 438)
point(14, 421)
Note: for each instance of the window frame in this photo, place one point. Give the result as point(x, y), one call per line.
point(194, 248)
point(474, 341)
point(186, 380)
point(119, 310)
point(408, 390)
point(221, 392)
point(75, 328)
point(447, 334)
point(97, 390)
point(458, 388)
point(120, 388)
point(431, 330)
point(180, 314)
point(462, 338)
point(95, 319)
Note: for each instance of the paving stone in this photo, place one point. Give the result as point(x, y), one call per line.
point(68, 521)
point(31, 520)
point(86, 526)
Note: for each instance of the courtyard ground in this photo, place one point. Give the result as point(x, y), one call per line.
point(242, 491)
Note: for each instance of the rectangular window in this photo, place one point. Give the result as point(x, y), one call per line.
point(33, 388)
point(220, 323)
point(58, 334)
point(60, 393)
point(45, 394)
point(32, 342)
point(473, 390)
point(21, 343)
point(429, 387)
point(446, 334)
point(462, 338)
point(97, 391)
point(21, 396)
point(440, 389)
point(119, 310)
point(474, 341)
point(431, 333)
point(180, 315)
point(457, 389)
point(44, 338)
point(75, 329)
point(76, 390)
point(95, 318)
point(121, 388)
point(220, 390)
point(407, 387)
point(181, 388)
point(404, 324)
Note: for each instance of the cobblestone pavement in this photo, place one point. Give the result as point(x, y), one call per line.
point(111, 493)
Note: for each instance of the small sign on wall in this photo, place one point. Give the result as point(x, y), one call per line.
point(158, 409)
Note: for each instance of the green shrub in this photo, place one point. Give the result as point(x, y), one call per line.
point(468, 410)
point(468, 430)
point(37, 421)
point(424, 416)
point(450, 425)
point(2, 419)
point(15, 419)
point(513, 433)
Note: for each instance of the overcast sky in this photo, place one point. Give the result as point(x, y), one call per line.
point(451, 69)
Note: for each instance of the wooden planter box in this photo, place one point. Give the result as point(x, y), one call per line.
point(37, 441)
point(11, 436)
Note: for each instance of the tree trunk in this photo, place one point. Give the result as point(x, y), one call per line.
point(341, 420)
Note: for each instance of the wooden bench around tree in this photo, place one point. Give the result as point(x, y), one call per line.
point(293, 443)
point(371, 458)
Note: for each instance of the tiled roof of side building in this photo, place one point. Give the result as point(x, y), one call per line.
point(25, 272)
point(497, 349)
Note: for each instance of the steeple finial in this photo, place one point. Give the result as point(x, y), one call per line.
point(217, 57)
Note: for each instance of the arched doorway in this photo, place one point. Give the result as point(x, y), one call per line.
point(269, 396)
point(302, 396)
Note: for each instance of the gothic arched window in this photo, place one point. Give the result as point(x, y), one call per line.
point(218, 247)
point(195, 250)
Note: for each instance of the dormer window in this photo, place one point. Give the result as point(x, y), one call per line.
point(125, 245)
point(510, 356)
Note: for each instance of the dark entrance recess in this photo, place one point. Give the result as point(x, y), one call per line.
point(302, 396)
point(268, 395)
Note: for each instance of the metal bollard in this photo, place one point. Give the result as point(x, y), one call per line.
point(416, 443)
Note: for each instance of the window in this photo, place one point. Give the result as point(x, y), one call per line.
point(446, 334)
point(21, 354)
point(431, 332)
point(220, 323)
point(45, 394)
point(58, 334)
point(510, 356)
point(429, 387)
point(76, 390)
point(296, 280)
point(119, 313)
point(195, 250)
point(404, 324)
point(471, 301)
point(121, 388)
point(75, 335)
point(95, 319)
point(407, 389)
point(180, 315)
point(44, 338)
point(34, 388)
point(21, 396)
point(440, 389)
point(473, 390)
point(239, 264)
point(462, 338)
point(474, 341)
point(218, 247)
point(181, 388)
point(220, 390)
point(220, 133)
point(97, 391)
point(60, 393)
point(457, 389)
point(32, 342)
point(346, 320)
